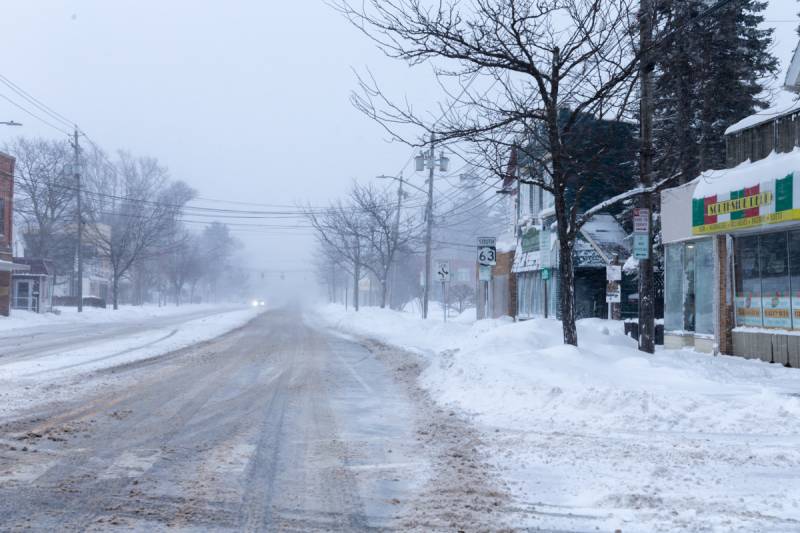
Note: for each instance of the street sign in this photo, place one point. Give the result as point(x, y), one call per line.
point(485, 273)
point(640, 246)
point(443, 271)
point(487, 251)
point(613, 292)
point(614, 272)
point(641, 220)
point(545, 274)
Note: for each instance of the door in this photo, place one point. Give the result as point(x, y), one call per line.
point(23, 298)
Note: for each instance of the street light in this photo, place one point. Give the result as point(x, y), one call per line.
point(10, 123)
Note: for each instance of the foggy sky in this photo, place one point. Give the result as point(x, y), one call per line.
point(244, 100)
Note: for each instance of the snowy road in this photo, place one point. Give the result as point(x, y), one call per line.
point(275, 426)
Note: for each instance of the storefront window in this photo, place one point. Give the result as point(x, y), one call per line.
point(794, 273)
point(775, 290)
point(673, 309)
point(689, 297)
point(748, 281)
point(703, 287)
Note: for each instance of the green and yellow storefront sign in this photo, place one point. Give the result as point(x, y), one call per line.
point(769, 202)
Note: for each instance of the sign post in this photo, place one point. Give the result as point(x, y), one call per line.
point(487, 258)
point(443, 273)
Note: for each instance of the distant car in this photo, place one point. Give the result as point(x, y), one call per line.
point(258, 303)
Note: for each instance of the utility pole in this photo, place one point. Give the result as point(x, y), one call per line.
point(79, 214)
point(646, 286)
point(429, 229)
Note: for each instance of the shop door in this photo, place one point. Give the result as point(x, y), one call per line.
point(23, 298)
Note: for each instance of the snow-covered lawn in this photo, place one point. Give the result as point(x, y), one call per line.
point(603, 436)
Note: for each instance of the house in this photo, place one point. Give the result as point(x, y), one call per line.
point(602, 241)
point(732, 242)
point(6, 232)
point(32, 285)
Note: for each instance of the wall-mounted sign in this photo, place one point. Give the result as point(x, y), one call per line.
point(640, 248)
point(531, 240)
point(768, 202)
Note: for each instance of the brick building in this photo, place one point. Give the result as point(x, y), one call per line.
point(6, 260)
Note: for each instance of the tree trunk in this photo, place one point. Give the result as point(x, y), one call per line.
point(566, 281)
point(356, 276)
point(115, 283)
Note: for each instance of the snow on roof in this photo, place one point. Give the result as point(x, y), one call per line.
point(793, 72)
point(747, 174)
point(607, 236)
point(786, 102)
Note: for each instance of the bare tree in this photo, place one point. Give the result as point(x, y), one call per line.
point(45, 195)
point(384, 233)
point(340, 232)
point(133, 208)
point(546, 63)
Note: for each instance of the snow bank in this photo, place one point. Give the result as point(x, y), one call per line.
point(92, 315)
point(606, 436)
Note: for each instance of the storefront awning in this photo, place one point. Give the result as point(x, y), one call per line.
point(749, 195)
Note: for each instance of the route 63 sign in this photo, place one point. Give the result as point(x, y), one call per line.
point(487, 251)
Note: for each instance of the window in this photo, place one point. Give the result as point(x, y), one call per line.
point(689, 299)
point(704, 287)
point(775, 291)
point(2, 217)
point(794, 276)
point(673, 312)
point(748, 281)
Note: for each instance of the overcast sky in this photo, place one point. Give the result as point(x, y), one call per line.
point(244, 100)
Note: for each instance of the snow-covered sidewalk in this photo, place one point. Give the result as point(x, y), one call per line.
point(603, 436)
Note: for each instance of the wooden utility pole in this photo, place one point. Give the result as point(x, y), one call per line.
point(79, 215)
point(646, 66)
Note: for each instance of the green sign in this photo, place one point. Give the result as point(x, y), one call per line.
point(545, 274)
point(530, 240)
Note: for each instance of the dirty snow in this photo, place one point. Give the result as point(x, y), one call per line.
point(603, 436)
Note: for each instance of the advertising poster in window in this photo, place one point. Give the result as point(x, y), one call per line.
point(777, 310)
point(748, 310)
point(796, 310)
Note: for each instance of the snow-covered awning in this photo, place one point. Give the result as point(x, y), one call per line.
point(749, 195)
point(8, 266)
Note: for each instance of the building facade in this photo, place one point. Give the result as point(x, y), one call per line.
point(732, 244)
point(6, 230)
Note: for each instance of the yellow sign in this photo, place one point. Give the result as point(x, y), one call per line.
point(739, 204)
point(728, 225)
